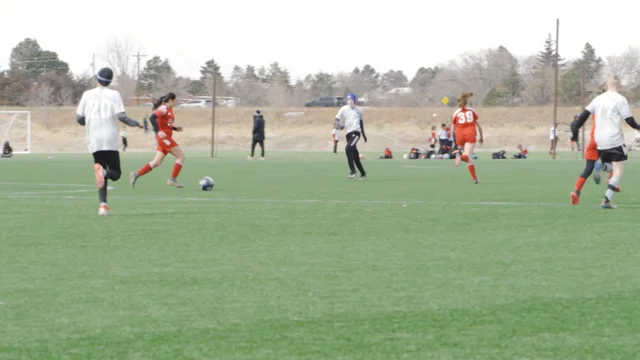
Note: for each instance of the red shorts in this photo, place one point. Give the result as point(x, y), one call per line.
point(166, 145)
point(465, 137)
point(591, 152)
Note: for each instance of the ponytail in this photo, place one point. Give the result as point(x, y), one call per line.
point(463, 98)
point(157, 103)
point(163, 100)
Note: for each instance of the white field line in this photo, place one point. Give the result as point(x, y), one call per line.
point(39, 184)
point(44, 192)
point(294, 201)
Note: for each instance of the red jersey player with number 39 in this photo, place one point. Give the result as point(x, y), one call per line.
point(464, 123)
point(162, 121)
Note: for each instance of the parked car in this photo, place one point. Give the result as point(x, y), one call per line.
point(200, 103)
point(326, 101)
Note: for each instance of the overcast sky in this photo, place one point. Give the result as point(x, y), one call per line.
point(310, 36)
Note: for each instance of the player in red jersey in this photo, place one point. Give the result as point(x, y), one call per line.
point(162, 121)
point(464, 123)
point(591, 156)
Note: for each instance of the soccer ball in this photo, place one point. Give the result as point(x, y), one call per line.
point(206, 183)
point(446, 156)
point(362, 156)
point(433, 156)
point(474, 156)
point(405, 156)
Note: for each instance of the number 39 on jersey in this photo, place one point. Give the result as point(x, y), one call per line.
point(465, 117)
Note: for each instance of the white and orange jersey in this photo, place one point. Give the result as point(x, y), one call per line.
point(464, 119)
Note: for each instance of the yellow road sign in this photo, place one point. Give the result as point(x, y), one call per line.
point(445, 100)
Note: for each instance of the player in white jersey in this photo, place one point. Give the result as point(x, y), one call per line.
point(610, 108)
point(98, 110)
point(354, 128)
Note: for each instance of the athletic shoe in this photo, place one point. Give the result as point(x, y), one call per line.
point(174, 183)
point(103, 210)
point(99, 171)
point(575, 198)
point(352, 175)
point(607, 205)
point(475, 181)
point(596, 172)
point(363, 177)
point(133, 177)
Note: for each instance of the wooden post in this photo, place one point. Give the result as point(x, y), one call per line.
point(555, 93)
point(213, 116)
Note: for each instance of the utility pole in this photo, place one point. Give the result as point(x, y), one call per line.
point(213, 116)
point(139, 56)
point(93, 66)
point(555, 93)
point(583, 84)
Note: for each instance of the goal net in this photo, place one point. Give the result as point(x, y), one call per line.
point(15, 127)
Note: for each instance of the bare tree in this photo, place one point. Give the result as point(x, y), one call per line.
point(119, 57)
point(626, 65)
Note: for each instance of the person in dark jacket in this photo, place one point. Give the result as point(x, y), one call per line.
point(258, 134)
point(7, 151)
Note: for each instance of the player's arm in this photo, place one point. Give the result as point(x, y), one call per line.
point(121, 114)
point(153, 119)
point(480, 134)
point(339, 116)
point(625, 113)
point(127, 120)
point(80, 118)
point(362, 128)
point(576, 125)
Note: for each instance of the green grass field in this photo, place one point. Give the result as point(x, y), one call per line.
point(288, 259)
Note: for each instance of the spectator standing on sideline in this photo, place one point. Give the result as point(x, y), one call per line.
point(145, 124)
point(258, 134)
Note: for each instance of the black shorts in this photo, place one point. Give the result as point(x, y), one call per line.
point(124, 141)
point(110, 160)
point(613, 155)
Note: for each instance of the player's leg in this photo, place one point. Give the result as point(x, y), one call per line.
point(177, 166)
point(112, 172)
point(100, 159)
point(261, 142)
point(146, 168)
point(588, 169)
point(616, 156)
point(335, 146)
point(349, 149)
point(460, 141)
point(253, 147)
point(469, 147)
point(358, 163)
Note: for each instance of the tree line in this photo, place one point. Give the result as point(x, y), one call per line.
point(39, 77)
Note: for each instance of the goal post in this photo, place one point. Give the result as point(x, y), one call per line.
point(15, 127)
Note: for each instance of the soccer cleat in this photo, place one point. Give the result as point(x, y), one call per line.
point(103, 210)
point(352, 175)
point(607, 205)
point(475, 181)
point(596, 173)
point(363, 177)
point(262, 158)
point(99, 171)
point(249, 157)
point(575, 198)
point(174, 183)
point(133, 177)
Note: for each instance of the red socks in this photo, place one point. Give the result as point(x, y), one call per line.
point(176, 169)
point(145, 169)
point(580, 183)
point(472, 170)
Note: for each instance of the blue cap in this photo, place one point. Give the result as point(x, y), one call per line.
point(353, 97)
